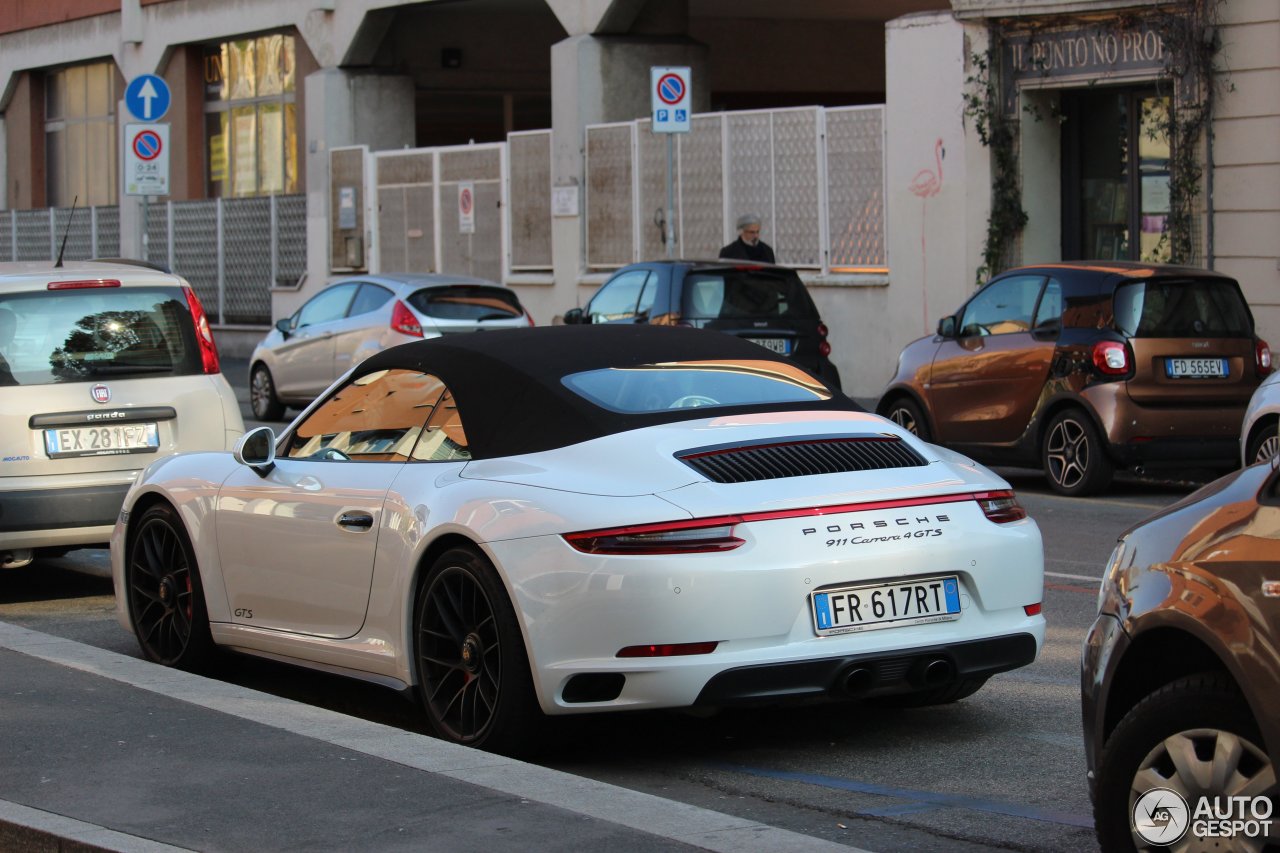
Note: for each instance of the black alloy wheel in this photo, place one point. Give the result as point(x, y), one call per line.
point(906, 414)
point(166, 599)
point(262, 395)
point(473, 671)
point(1073, 456)
point(1195, 737)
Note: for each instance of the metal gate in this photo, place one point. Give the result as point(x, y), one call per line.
point(441, 210)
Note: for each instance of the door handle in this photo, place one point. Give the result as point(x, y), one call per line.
point(357, 520)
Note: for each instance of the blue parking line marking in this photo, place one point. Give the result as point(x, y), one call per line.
point(929, 799)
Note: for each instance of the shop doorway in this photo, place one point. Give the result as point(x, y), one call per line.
point(1115, 174)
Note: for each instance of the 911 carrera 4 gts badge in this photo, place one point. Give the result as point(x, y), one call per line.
point(100, 393)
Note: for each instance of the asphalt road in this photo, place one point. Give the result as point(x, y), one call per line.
point(1003, 769)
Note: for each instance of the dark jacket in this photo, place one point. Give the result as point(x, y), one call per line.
point(740, 250)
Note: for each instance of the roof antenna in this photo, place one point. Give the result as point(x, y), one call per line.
point(66, 233)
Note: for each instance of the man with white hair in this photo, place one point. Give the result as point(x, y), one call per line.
point(749, 246)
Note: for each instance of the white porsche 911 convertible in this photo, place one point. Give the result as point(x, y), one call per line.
point(586, 518)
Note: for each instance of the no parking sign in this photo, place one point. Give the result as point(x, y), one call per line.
point(670, 93)
point(466, 207)
point(146, 159)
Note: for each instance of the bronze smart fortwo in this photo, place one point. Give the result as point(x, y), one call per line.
point(1081, 368)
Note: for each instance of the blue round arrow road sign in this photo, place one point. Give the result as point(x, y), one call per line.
point(147, 97)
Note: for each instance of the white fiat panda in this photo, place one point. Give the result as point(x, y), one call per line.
point(104, 367)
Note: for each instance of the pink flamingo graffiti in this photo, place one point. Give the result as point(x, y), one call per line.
point(927, 184)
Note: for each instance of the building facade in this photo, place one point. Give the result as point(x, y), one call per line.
point(1067, 125)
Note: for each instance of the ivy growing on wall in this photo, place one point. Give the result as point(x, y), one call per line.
point(1191, 47)
point(983, 106)
point(1189, 34)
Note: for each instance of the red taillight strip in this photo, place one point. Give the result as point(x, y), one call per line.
point(774, 515)
point(76, 285)
point(204, 334)
point(872, 505)
point(668, 650)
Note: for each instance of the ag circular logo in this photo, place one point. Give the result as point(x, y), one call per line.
point(1161, 816)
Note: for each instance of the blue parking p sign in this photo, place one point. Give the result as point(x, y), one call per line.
point(147, 97)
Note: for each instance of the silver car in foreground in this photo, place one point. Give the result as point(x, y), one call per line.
point(356, 316)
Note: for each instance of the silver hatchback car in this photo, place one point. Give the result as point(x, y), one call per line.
point(356, 316)
point(104, 367)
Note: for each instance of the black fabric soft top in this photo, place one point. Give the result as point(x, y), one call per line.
point(508, 387)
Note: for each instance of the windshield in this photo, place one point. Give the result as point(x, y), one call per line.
point(1196, 308)
point(82, 335)
point(696, 384)
point(745, 293)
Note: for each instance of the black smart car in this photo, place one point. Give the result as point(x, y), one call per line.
point(766, 304)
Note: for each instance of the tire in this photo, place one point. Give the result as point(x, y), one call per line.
point(1264, 444)
point(1205, 723)
point(960, 689)
point(905, 413)
point(166, 599)
point(1074, 458)
point(262, 395)
point(473, 672)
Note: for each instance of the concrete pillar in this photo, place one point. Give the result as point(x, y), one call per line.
point(343, 108)
point(937, 173)
point(597, 79)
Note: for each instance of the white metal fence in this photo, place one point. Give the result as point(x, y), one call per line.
point(231, 250)
point(815, 176)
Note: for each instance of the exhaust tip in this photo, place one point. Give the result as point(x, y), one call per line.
point(858, 680)
point(938, 671)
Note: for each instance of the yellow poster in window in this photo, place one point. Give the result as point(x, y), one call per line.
point(218, 158)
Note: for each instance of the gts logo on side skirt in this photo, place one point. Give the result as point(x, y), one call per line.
point(244, 613)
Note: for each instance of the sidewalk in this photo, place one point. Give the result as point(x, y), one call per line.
point(99, 751)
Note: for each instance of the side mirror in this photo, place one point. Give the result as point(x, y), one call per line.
point(947, 326)
point(257, 449)
point(573, 317)
point(283, 326)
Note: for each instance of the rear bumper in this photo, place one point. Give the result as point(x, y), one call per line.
point(868, 675)
point(40, 518)
point(1188, 436)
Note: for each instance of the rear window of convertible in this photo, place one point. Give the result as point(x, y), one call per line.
point(696, 384)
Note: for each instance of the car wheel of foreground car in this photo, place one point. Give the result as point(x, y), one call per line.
point(1073, 456)
point(472, 667)
point(906, 414)
point(945, 695)
point(1263, 445)
point(262, 395)
point(1195, 737)
point(166, 599)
